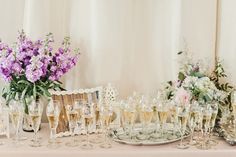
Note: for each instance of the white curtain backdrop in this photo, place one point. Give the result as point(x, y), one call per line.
point(129, 43)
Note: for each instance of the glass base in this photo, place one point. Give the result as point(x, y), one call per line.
point(35, 144)
point(212, 142)
point(72, 144)
point(97, 139)
point(193, 142)
point(182, 146)
point(53, 145)
point(142, 137)
point(105, 145)
point(156, 135)
point(87, 146)
point(20, 138)
point(203, 147)
point(57, 141)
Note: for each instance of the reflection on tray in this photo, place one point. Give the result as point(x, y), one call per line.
point(150, 137)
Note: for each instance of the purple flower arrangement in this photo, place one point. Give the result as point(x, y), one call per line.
point(32, 68)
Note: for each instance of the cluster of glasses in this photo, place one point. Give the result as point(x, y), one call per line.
point(16, 112)
point(161, 120)
point(79, 113)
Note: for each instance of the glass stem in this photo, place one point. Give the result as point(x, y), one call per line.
point(53, 135)
point(156, 129)
point(161, 130)
point(87, 135)
point(105, 134)
point(35, 137)
point(191, 136)
point(181, 140)
point(130, 131)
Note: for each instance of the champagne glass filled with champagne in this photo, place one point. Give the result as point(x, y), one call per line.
point(16, 115)
point(88, 116)
point(78, 105)
point(53, 112)
point(183, 114)
point(206, 119)
point(146, 114)
point(156, 120)
point(173, 115)
point(214, 107)
point(162, 110)
point(106, 113)
point(193, 118)
point(130, 113)
point(1, 121)
point(97, 138)
point(35, 113)
point(72, 115)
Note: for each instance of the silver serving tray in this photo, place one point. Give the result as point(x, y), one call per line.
point(118, 135)
point(227, 132)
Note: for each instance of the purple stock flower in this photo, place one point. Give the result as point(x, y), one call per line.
point(35, 60)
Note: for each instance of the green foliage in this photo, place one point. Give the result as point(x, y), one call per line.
point(181, 76)
point(21, 88)
point(217, 75)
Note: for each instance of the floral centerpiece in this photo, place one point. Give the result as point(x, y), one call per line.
point(196, 83)
point(31, 68)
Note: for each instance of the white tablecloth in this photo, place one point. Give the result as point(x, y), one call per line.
point(118, 150)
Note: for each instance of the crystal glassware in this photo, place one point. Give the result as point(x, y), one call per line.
point(88, 116)
point(162, 110)
point(97, 138)
point(193, 118)
point(35, 112)
point(146, 115)
point(173, 117)
point(1, 121)
point(78, 106)
point(183, 114)
point(16, 115)
point(106, 113)
point(156, 120)
point(130, 113)
point(206, 113)
point(72, 115)
point(53, 112)
point(214, 108)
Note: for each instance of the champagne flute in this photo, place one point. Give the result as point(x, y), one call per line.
point(1, 121)
point(146, 115)
point(16, 114)
point(162, 110)
point(156, 133)
point(53, 111)
point(97, 138)
point(35, 113)
point(88, 115)
point(214, 107)
point(72, 115)
point(183, 113)
point(199, 125)
point(193, 117)
point(78, 105)
point(106, 114)
point(207, 113)
point(173, 117)
point(130, 113)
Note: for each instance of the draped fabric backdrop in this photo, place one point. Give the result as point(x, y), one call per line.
point(129, 43)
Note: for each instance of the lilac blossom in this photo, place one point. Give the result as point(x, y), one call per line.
point(35, 59)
